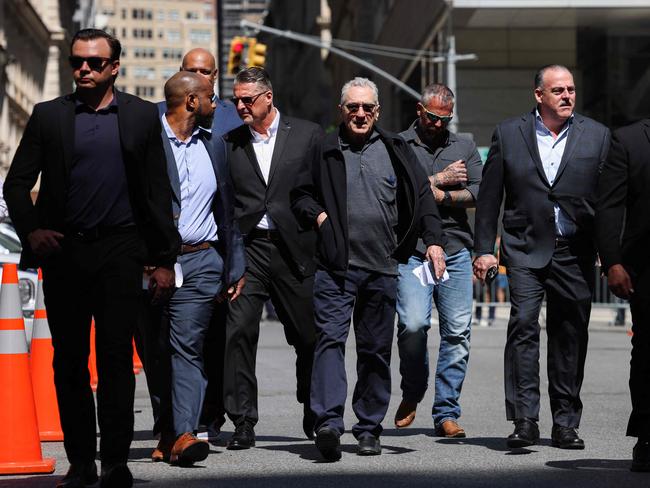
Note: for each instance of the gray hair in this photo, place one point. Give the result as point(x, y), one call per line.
point(256, 75)
point(539, 76)
point(437, 90)
point(360, 83)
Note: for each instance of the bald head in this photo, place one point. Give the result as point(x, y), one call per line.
point(182, 85)
point(202, 62)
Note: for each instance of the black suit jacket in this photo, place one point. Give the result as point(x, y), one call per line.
point(47, 147)
point(296, 141)
point(622, 212)
point(514, 166)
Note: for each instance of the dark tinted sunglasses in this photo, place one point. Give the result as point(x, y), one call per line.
point(353, 108)
point(445, 119)
point(248, 101)
point(95, 63)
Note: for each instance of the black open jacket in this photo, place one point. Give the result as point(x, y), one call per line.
point(323, 188)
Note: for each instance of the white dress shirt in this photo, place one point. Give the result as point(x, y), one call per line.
point(263, 145)
point(551, 150)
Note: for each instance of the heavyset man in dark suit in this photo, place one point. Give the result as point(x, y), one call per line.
point(623, 231)
point(211, 260)
point(103, 210)
point(547, 163)
point(264, 157)
point(370, 201)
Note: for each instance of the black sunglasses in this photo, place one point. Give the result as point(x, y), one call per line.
point(248, 101)
point(353, 108)
point(445, 119)
point(95, 63)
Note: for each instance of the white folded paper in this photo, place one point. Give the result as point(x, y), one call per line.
point(426, 276)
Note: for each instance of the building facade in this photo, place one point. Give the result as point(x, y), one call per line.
point(154, 37)
point(34, 44)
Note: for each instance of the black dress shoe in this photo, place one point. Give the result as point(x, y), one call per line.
point(308, 421)
point(369, 446)
point(566, 438)
point(328, 443)
point(79, 475)
point(526, 434)
point(116, 476)
point(641, 456)
point(243, 438)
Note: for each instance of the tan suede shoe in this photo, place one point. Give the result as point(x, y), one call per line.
point(405, 414)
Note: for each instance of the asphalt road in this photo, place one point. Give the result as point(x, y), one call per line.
point(412, 457)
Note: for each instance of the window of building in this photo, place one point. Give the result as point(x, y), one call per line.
point(144, 52)
point(173, 35)
point(142, 13)
point(145, 91)
point(173, 15)
point(200, 35)
point(172, 53)
point(143, 33)
point(168, 72)
point(191, 15)
point(144, 72)
point(124, 13)
point(122, 71)
point(123, 32)
point(160, 15)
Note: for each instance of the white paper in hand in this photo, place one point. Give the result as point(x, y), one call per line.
point(178, 277)
point(426, 276)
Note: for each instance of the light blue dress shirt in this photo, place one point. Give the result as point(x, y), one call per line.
point(551, 150)
point(196, 223)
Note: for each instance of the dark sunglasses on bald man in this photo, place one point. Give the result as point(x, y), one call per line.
point(353, 108)
point(95, 63)
point(445, 119)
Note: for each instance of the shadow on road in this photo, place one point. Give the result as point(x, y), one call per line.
point(593, 464)
point(310, 453)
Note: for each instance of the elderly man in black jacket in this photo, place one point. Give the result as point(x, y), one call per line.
point(370, 201)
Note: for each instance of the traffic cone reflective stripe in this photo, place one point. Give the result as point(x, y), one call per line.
point(42, 355)
point(20, 448)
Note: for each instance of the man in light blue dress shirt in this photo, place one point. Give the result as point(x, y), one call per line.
point(546, 163)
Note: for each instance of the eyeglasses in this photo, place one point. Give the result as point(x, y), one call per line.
point(248, 101)
point(445, 119)
point(95, 63)
point(213, 98)
point(353, 108)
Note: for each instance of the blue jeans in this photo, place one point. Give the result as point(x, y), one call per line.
point(453, 299)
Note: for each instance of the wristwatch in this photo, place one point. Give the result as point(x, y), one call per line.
point(446, 199)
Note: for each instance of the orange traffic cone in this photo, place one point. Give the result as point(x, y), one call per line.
point(92, 359)
point(137, 362)
point(20, 449)
point(42, 353)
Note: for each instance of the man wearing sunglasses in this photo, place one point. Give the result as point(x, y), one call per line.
point(264, 157)
point(454, 168)
point(546, 162)
point(102, 212)
point(370, 201)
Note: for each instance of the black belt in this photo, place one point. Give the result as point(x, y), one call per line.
point(98, 232)
point(563, 241)
point(269, 234)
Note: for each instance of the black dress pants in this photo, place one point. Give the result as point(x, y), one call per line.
point(568, 283)
point(268, 276)
point(639, 423)
point(100, 278)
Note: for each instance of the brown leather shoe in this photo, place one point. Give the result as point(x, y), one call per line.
point(163, 450)
point(188, 449)
point(450, 428)
point(405, 414)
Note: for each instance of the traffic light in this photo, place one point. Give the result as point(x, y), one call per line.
point(236, 54)
point(256, 53)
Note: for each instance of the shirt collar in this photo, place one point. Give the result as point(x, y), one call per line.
point(345, 143)
point(270, 132)
point(539, 123)
point(81, 106)
point(172, 137)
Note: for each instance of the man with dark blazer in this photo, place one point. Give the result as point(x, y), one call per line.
point(623, 232)
point(211, 260)
point(547, 164)
point(102, 212)
point(264, 156)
